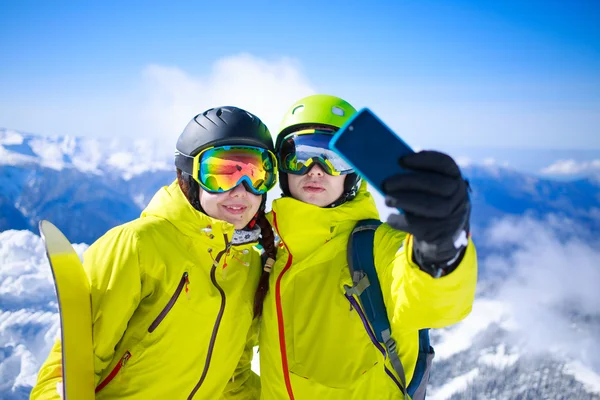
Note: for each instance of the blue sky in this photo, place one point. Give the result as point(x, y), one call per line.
point(509, 74)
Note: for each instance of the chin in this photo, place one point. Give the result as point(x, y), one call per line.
point(240, 225)
point(316, 201)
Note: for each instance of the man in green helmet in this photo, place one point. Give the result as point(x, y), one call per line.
point(314, 341)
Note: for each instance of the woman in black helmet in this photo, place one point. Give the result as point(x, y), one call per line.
point(172, 291)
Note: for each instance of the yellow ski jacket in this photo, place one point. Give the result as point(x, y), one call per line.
point(172, 303)
point(313, 343)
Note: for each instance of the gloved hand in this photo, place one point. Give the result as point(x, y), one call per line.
point(435, 200)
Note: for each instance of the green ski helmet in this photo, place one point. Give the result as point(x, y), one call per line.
point(319, 111)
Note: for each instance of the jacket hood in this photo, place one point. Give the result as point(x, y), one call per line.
point(170, 203)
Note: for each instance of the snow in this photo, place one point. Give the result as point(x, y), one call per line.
point(84, 154)
point(29, 322)
point(456, 385)
point(8, 157)
point(588, 377)
point(499, 358)
point(10, 137)
point(459, 337)
point(572, 167)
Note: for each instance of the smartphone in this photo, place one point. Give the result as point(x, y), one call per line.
point(370, 147)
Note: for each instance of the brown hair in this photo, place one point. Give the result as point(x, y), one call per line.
point(268, 243)
point(190, 189)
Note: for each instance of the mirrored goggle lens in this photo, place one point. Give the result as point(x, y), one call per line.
point(223, 168)
point(299, 151)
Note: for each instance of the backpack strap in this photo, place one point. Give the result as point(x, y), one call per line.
point(418, 386)
point(366, 286)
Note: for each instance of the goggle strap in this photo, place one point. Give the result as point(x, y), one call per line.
point(184, 163)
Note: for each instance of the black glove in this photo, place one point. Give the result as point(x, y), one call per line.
point(435, 200)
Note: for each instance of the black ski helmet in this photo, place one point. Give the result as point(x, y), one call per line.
point(218, 127)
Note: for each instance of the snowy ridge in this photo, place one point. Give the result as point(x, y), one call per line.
point(85, 155)
point(84, 186)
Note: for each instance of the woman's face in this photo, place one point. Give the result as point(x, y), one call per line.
point(236, 206)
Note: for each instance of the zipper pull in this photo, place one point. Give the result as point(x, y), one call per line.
point(224, 269)
point(125, 358)
point(187, 282)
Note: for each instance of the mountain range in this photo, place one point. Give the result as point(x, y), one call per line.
point(534, 324)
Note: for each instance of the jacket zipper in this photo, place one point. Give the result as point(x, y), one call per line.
point(114, 371)
point(371, 334)
point(280, 324)
point(182, 282)
point(213, 337)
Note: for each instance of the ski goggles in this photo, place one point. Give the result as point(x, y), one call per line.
point(223, 168)
point(300, 150)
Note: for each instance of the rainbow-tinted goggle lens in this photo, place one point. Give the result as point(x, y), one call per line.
point(300, 150)
point(220, 169)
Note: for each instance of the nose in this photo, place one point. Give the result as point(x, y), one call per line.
point(316, 170)
point(238, 191)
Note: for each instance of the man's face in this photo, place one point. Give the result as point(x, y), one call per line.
point(316, 187)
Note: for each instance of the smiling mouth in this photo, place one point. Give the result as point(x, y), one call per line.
point(237, 209)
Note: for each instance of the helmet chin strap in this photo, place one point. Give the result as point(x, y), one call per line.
point(351, 185)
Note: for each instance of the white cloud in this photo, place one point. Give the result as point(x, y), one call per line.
point(572, 167)
point(266, 88)
point(464, 161)
point(157, 103)
point(552, 286)
point(489, 161)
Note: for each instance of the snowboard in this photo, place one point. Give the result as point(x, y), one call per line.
point(74, 302)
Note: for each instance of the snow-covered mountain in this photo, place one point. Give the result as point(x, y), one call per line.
point(532, 333)
point(94, 156)
point(84, 186)
point(535, 324)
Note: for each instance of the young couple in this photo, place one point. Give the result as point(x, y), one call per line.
point(181, 295)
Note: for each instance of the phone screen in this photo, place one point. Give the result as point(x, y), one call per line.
point(372, 148)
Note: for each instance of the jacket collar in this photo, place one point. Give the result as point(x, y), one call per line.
point(305, 227)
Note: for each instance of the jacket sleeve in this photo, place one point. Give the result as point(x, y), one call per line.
point(49, 376)
point(113, 266)
point(414, 299)
point(245, 383)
